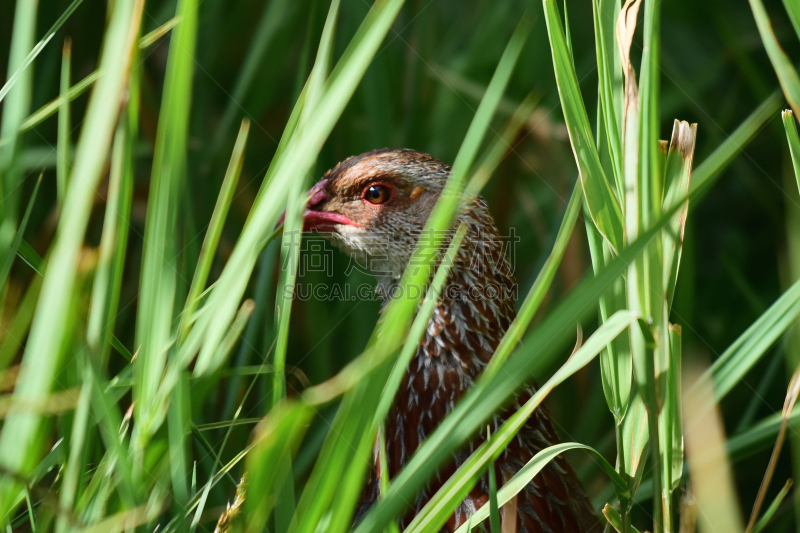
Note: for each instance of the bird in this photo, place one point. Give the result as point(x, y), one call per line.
point(374, 207)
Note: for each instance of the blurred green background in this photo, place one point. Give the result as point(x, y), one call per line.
point(421, 92)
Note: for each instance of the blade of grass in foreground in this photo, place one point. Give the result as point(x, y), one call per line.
point(770, 512)
point(113, 244)
point(293, 224)
point(11, 253)
point(787, 75)
point(792, 260)
point(64, 124)
point(604, 206)
point(524, 476)
point(615, 519)
point(730, 367)
point(159, 257)
point(790, 125)
point(293, 160)
point(609, 72)
point(711, 476)
point(491, 391)
point(301, 149)
point(441, 505)
point(417, 329)
point(27, 10)
point(355, 414)
point(20, 442)
point(14, 109)
point(215, 225)
point(481, 176)
point(77, 454)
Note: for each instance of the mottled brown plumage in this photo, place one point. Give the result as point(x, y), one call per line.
point(375, 206)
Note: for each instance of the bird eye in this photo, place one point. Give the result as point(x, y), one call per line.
point(377, 194)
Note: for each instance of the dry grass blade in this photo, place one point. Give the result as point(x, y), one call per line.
point(788, 404)
point(711, 476)
point(626, 27)
point(57, 402)
point(232, 511)
point(688, 512)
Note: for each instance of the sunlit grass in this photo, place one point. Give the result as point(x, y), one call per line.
point(123, 405)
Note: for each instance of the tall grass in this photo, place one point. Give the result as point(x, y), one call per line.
point(129, 409)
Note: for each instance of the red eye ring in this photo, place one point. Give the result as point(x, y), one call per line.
point(377, 194)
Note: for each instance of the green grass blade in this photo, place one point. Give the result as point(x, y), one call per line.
point(15, 332)
point(290, 248)
point(494, 508)
point(491, 99)
point(77, 454)
point(787, 75)
point(53, 107)
point(790, 125)
point(152, 37)
point(676, 181)
point(603, 205)
point(417, 329)
point(16, 107)
point(773, 507)
point(322, 64)
point(384, 473)
point(30, 257)
point(255, 334)
point(609, 79)
point(64, 124)
point(670, 418)
point(526, 474)
point(352, 417)
point(441, 505)
point(159, 258)
point(494, 155)
point(113, 244)
point(740, 357)
point(294, 158)
point(11, 253)
point(758, 437)
point(215, 225)
point(179, 421)
point(621, 160)
point(112, 428)
point(232, 337)
point(277, 435)
point(293, 224)
point(19, 444)
point(615, 519)
point(20, 71)
point(793, 9)
point(490, 391)
point(651, 184)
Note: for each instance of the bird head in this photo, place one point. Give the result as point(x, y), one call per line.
point(375, 205)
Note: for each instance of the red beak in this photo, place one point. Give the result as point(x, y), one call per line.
point(313, 217)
